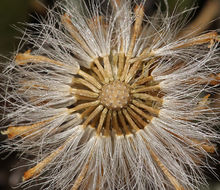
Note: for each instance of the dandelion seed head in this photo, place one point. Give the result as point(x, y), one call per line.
point(115, 95)
point(113, 100)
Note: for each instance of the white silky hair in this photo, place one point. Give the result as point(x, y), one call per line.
point(124, 162)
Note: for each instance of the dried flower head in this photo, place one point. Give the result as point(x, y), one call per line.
point(113, 100)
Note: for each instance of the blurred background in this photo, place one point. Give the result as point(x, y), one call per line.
point(13, 12)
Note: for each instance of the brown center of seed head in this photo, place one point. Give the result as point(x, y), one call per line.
point(115, 95)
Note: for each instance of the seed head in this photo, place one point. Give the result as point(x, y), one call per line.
point(115, 95)
point(113, 100)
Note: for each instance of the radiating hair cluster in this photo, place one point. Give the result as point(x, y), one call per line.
point(114, 99)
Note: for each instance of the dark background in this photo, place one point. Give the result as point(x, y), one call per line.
point(13, 12)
